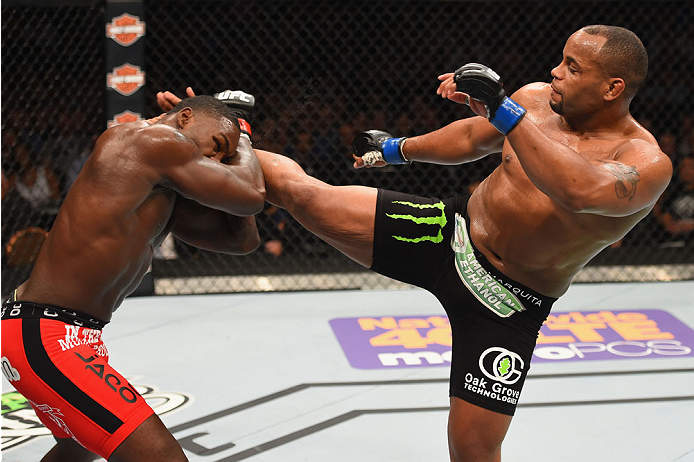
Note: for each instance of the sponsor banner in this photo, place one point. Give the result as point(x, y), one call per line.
point(125, 60)
point(386, 342)
point(125, 29)
point(595, 335)
point(126, 79)
point(394, 341)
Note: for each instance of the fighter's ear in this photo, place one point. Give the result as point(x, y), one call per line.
point(615, 87)
point(184, 117)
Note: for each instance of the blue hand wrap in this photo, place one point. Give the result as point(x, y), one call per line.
point(391, 151)
point(507, 115)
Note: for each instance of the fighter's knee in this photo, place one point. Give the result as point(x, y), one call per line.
point(286, 182)
point(302, 193)
point(470, 448)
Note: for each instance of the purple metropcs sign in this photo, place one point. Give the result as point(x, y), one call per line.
point(419, 341)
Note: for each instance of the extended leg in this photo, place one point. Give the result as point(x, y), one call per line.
point(474, 433)
point(343, 216)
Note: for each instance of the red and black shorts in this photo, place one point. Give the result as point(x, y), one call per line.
point(56, 359)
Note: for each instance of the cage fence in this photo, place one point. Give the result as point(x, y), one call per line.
point(321, 71)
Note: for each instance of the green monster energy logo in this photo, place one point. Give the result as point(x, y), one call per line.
point(436, 220)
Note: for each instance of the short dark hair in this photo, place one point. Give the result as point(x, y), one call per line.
point(207, 105)
point(623, 55)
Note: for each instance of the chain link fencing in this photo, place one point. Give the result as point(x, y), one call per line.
point(322, 71)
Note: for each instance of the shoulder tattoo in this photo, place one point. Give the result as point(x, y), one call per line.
point(627, 179)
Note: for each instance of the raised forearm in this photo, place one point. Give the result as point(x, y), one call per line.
point(214, 230)
point(555, 169)
point(459, 142)
point(246, 168)
point(244, 231)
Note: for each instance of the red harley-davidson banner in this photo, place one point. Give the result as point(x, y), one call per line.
point(125, 75)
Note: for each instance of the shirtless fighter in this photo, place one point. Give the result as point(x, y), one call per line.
point(577, 173)
point(188, 172)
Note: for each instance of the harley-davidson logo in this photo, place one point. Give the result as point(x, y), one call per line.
point(126, 79)
point(125, 29)
point(124, 117)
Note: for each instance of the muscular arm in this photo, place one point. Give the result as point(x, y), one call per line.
point(237, 188)
point(632, 181)
point(213, 230)
point(459, 142)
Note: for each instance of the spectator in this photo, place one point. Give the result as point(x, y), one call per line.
point(78, 156)
point(301, 150)
point(6, 185)
point(426, 116)
point(269, 136)
point(347, 132)
point(272, 224)
point(37, 184)
point(30, 191)
point(12, 204)
point(686, 145)
point(675, 209)
point(403, 125)
point(326, 141)
point(668, 144)
point(361, 122)
point(379, 119)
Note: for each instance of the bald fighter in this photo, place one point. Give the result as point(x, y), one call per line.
point(188, 172)
point(577, 172)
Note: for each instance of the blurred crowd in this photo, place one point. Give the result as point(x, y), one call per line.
point(41, 158)
point(40, 164)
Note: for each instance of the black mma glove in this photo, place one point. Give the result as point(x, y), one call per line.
point(375, 145)
point(241, 105)
point(485, 85)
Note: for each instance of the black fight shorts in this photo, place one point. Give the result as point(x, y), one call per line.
point(494, 320)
